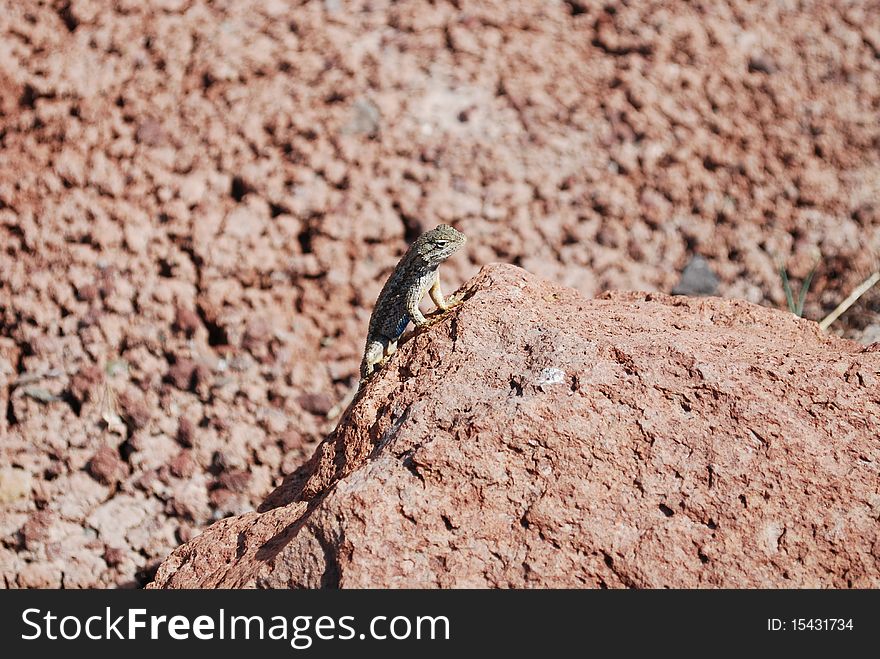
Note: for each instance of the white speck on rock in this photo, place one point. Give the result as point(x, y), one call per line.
point(770, 536)
point(551, 375)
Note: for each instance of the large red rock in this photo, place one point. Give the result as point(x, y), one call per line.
point(534, 437)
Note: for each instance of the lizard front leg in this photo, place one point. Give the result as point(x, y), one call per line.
point(436, 294)
point(414, 296)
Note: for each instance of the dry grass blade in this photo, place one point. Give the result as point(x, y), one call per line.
point(860, 290)
point(109, 408)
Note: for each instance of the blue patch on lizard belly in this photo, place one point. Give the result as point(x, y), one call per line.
point(401, 325)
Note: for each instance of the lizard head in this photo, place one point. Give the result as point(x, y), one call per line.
point(437, 245)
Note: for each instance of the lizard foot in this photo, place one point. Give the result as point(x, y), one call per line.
point(436, 316)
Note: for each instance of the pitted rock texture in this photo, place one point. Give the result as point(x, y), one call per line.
point(536, 438)
point(200, 201)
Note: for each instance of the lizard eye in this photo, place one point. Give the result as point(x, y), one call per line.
point(441, 243)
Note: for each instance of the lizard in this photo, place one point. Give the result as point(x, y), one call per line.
point(416, 274)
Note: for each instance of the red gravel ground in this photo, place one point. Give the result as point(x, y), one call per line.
point(199, 204)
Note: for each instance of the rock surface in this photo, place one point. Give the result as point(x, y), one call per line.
point(534, 437)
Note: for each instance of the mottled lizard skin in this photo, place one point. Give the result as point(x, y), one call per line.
point(416, 274)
